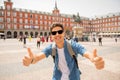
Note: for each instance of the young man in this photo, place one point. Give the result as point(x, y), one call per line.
point(65, 66)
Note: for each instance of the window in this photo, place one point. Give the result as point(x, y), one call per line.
point(15, 26)
point(112, 19)
point(15, 20)
point(45, 28)
point(41, 28)
point(49, 23)
point(115, 23)
point(1, 19)
point(1, 13)
point(118, 23)
point(36, 22)
point(8, 7)
point(45, 17)
point(45, 22)
point(26, 21)
point(26, 15)
point(67, 19)
point(31, 15)
point(21, 27)
point(20, 14)
point(49, 18)
point(1, 26)
point(31, 21)
point(14, 14)
point(8, 26)
point(67, 24)
point(106, 20)
point(40, 16)
point(41, 22)
point(8, 20)
point(8, 13)
point(53, 18)
point(20, 20)
point(36, 16)
point(118, 18)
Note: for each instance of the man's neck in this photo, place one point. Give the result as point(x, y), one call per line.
point(60, 44)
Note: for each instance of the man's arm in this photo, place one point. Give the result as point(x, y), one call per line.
point(38, 57)
point(94, 58)
point(32, 58)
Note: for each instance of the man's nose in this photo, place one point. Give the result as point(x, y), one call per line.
point(57, 33)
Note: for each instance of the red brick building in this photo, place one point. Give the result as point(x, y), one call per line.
point(15, 22)
point(106, 25)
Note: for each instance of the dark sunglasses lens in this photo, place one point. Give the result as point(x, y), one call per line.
point(54, 33)
point(60, 31)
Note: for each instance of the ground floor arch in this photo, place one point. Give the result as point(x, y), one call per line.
point(18, 33)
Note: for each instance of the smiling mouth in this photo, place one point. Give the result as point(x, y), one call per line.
point(57, 38)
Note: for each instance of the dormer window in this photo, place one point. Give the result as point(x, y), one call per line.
point(31, 16)
point(8, 7)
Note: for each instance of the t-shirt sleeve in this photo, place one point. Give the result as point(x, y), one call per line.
point(78, 48)
point(48, 50)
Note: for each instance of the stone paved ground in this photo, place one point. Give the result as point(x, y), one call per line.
point(12, 52)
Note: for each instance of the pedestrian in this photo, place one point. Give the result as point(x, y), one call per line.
point(24, 41)
point(42, 39)
point(30, 38)
point(20, 38)
point(47, 38)
point(38, 41)
point(94, 39)
point(75, 38)
point(100, 40)
point(116, 39)
point(65, 67)
point(4, 38)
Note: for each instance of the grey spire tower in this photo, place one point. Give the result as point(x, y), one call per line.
point(55, 6)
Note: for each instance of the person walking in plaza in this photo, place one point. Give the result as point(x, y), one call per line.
point(38, 41)
point(24, 41)
point(65, 64)
point(100, 40)
point(30, 38)
point(4, 38)
point(116, 39)
point(43, 39)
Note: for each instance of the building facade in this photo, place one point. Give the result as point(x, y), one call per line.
point(17, 22)
point(106, 25)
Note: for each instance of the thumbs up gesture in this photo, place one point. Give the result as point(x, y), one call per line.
point(28, 59)
point(97, 60)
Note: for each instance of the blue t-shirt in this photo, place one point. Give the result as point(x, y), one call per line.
point(74, 71)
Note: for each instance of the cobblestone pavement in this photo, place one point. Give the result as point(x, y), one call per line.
point(12, 52)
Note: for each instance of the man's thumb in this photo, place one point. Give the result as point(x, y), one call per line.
point(29, 52)
point(95, 53)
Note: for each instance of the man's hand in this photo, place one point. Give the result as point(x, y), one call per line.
point(28, 59)
point(97, 60)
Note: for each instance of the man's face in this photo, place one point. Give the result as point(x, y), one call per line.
point(57, 34)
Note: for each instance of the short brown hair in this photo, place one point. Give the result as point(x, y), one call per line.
point(56, 25)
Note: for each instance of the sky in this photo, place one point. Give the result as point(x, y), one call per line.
point(86, 8)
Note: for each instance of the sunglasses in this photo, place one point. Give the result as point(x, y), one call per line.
point(55, 32)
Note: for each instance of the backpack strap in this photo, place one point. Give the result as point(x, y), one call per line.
point(53, 51)
point(71, 52)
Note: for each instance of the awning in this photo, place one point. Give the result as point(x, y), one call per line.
point(2, 34)
point(108, 33)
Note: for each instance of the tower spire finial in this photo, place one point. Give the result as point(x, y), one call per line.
point(56, 5)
